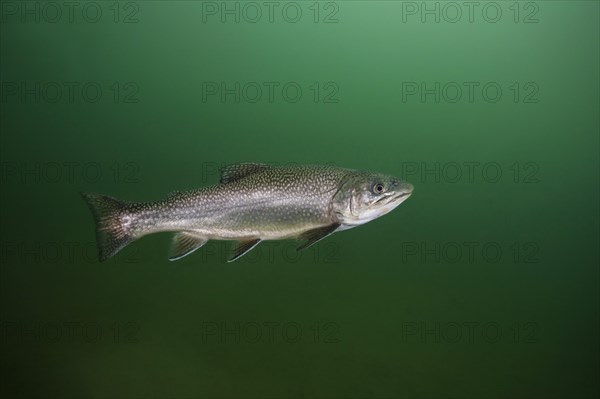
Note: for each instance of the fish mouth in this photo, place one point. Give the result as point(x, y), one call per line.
point(393, 197)
point(401, 197)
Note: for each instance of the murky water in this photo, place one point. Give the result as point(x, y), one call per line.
point(483, 284)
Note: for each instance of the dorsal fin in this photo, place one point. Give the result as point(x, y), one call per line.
point(238, 171)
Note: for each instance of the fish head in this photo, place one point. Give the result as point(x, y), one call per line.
point(362, 197)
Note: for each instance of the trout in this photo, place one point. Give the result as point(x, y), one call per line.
point(252, 202)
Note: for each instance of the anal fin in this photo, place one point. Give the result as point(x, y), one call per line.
point(184, 243)
point(242, 247)
point(314, 235)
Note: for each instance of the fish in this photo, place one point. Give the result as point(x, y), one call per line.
point(252, 202)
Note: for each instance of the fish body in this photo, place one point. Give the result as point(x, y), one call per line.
point(252, 202)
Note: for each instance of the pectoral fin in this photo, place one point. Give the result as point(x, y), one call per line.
point(312, 236)
point(185, 243)
point(242, 247)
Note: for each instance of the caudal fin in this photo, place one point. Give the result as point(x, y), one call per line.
point(111, 234)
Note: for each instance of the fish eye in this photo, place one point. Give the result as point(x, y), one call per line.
point(378, 188)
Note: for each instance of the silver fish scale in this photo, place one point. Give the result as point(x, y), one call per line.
point(273, 203)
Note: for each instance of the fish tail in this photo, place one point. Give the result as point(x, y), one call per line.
point(111, 232)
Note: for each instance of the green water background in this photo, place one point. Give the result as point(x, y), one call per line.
point(384, 310)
